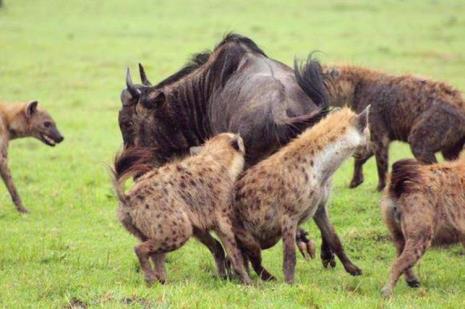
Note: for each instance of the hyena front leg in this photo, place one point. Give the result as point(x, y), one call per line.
point(360, 159)
point(329, 235)
point(215, 248)
point(288, 230)
point(381, 150)
point(10, 185)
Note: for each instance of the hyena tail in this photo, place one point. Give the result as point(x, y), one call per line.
point(132, 162)
point(405, 176)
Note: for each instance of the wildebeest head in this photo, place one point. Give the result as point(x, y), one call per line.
point(146, 120)
point(129, 98)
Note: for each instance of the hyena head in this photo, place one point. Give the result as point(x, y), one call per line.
point(228, 148)
point(349, 130)
point(41, 125)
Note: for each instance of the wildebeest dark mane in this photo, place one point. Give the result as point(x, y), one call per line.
point(196, 61)
point(199, 59)
point(184, 114)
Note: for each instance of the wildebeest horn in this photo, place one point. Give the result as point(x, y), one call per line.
point(130, 86)
point(143, 76)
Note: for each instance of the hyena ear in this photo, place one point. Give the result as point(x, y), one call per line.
point(238, 144)
point(155, 99)
point(31, 108)
point(362, 118)
point(195, 150)
point(334, 73)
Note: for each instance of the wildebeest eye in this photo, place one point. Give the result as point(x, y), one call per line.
point(47, 124)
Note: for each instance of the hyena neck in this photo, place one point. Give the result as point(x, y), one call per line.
point(325, 153)
point(16, 124)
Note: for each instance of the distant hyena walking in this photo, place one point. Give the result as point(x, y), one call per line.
point(186, 198)
point(427, 114)
point(18, 121)
point(420, 203)
point(279, 193)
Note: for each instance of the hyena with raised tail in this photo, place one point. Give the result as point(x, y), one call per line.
point(420, 203)
point(185, 198)
point(278, 194)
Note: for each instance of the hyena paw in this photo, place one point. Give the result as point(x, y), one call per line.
point(328, 260)
point(353, 270)
point(413, 283)
point(356, 182)
point(386, 292)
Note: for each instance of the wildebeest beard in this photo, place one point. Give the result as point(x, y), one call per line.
point(235, 88)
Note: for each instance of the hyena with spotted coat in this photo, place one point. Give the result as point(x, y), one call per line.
point(278, 194)
point(427, 114)
point(186, 198)
point(420, 203)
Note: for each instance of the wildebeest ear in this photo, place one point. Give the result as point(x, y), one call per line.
point(362, 118)
point(156, 98)
point(195, 150)
point(31, 108)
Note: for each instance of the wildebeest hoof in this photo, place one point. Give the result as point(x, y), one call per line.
point(307, 249)
point(355, 182)
point(413, 283)
point(386, 292)
point(353, 270)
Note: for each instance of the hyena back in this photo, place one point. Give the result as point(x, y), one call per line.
point(427, 114)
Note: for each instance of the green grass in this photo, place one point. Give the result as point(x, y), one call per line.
point(71, 55)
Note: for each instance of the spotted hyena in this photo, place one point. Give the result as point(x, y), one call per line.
point(189, 197)
point(420, 203)
point(278, 194)
point(427, 114)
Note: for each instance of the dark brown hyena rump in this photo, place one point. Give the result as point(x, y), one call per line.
point(422, 203)
point(429, 115)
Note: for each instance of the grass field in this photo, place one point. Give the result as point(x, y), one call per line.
point(71, 56)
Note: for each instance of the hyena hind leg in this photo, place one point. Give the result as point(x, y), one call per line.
point(214, 246)
point(413, 251)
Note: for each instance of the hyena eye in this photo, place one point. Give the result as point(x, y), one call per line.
point(47, 124)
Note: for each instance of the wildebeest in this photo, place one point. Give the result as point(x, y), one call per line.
point(283, 191)
point(429, 115)
point(18, 121)
point(420, 203)
point(190, 197)
point(234, 88)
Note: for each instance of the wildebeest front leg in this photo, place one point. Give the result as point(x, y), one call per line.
point(6, 176)
point(215, 248)
point(333, 242)
point(288, 229)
